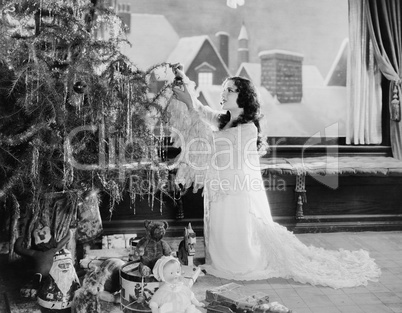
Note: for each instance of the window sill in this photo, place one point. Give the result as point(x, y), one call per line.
point(298, 151)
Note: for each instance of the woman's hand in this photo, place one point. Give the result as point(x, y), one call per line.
point(178, 70)
point(183, 95)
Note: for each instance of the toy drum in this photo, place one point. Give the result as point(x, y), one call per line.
point(136, 291)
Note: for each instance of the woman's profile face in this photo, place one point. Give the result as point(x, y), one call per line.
point(229, 95)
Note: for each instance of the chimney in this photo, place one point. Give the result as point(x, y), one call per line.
point(223, 46)
point(281, 74)
point(242, 51)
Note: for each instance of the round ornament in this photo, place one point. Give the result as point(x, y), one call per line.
point(80, 87)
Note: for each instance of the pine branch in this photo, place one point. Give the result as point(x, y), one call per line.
point(10, 184)
point(16, 140)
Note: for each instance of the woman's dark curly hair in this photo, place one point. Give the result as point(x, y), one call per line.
point(247, 99)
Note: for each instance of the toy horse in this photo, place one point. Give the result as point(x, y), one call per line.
point(187, 246)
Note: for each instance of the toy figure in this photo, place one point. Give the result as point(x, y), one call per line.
point(42, 256)
point(151, 247)
point(59, 286)
point(173, 296)
point(187, 246)
point(87, 298)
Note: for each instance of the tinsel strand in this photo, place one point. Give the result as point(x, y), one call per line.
point(14, 227)
point(16, 140)
point(10, 184)
point(68, 170)
point(35, 210)
point(152, 191)
point(161, 202)
point(35, 162)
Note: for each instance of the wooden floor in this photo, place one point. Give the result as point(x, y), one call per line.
point(383, 296)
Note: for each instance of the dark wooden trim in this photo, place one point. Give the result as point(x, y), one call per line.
point(308, 224)
point(338, 223)
point(176, 227)
point(300, 141)
point(305, 146)
point(298, 151)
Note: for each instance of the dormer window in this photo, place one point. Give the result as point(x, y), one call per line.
point(205, 74)
point(205, 79)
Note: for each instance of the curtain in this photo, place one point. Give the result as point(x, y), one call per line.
point(364, 94)
point(384, 25)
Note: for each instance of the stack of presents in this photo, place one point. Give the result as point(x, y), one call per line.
point(138, 283)
point(145, 275)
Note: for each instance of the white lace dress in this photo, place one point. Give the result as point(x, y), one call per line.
point(242, 241)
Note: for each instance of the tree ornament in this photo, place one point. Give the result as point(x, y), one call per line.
point(80, 87)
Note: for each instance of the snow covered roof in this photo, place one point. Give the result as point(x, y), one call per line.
point(187, 49)
point(153, 45)
point(337, 73)
point(320, 109)
point(253, 71)
point(311, 76)
point(212, 95)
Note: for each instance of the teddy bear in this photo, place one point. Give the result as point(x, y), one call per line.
point(152, 247)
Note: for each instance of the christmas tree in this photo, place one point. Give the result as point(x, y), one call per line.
point(76, 115)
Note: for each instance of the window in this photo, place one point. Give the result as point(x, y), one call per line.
point(205, 79)
point(123, 7)
point(294, 51)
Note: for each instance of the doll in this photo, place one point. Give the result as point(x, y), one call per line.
point(173, 296)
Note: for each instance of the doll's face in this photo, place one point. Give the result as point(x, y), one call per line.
point(172, 272)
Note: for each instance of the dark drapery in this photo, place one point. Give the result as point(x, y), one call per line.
point(384, 19)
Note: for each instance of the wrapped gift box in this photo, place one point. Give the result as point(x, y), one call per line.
point(273, 307)
point(217, 308)
point(117, 241)
point(190, 274)
point(237, 297)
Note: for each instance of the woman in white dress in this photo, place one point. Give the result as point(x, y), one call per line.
point(242, 241)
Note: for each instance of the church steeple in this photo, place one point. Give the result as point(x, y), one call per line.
point(242, 51)
point(243, 33)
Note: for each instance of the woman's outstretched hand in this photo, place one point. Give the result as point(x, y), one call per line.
point(178, 71)
point(182, 94)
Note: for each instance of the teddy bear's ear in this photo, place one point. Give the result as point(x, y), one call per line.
point(166, 224)
point(146, 223)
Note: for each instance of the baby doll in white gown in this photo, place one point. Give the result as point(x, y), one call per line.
point(173, 296)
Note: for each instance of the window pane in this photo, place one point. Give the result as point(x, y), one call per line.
point(205, 79)
point(295, 51)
